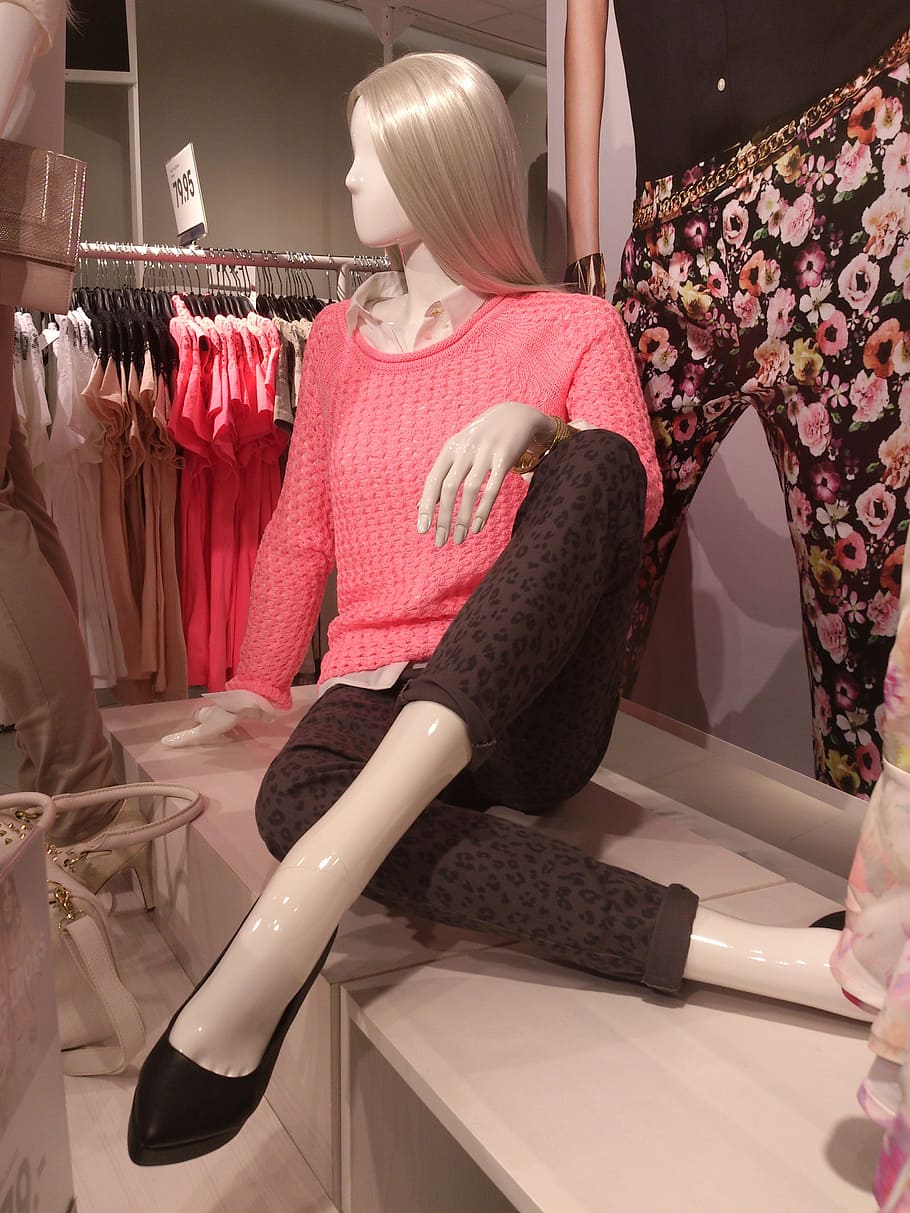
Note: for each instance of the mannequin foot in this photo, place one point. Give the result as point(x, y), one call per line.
point(182, 1110)
point(788, 963)
point(226, 1026)
point(210, 1069)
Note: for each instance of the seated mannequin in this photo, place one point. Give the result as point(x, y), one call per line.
point(477, 654)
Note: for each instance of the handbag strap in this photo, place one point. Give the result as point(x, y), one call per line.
point(80, 919)
point(134, 835)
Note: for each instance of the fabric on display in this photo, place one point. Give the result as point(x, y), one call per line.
point(157, 434)
point(872, 959)
point(789, 293)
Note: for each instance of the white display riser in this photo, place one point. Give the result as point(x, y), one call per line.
point(435, 1071)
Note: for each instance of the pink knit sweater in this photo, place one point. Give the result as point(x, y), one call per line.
point(369, 427)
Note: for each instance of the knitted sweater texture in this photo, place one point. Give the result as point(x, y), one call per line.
point(369, 427)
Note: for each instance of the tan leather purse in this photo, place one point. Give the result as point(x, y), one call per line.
point(41, 195)
point(101, 1027)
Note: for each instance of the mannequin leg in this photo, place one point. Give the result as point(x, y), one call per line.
point(228, 1022)
point(789, 963)
point(44, 676)
point(460, 865)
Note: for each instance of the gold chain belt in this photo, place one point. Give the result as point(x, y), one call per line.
point(751, 155)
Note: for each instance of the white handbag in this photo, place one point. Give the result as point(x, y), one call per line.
point(101, 1028)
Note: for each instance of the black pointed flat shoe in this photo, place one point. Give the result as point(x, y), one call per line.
point(182, 1111)
point(835, 921)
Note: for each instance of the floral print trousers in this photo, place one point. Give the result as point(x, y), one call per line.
point(789, 292)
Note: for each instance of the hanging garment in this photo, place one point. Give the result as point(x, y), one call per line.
point(72, 489)
point(28, 386)
point(223, 418)
point(294, 334)
point(153, 431)
point(95, 425)
point(104, 395)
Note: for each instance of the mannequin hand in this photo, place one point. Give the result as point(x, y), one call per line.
point(219, 715)
point(485, 450)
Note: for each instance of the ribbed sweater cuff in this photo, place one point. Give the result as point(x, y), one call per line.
point(277, 697)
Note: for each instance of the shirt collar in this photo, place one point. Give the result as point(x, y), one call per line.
point(442, 317)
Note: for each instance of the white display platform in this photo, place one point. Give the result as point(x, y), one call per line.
point(433, 1071)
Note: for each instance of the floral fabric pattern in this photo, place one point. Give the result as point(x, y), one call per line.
point(872, 957)
point(892, 1175)
point(789, 291)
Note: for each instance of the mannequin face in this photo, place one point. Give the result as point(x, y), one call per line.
point(379, 217)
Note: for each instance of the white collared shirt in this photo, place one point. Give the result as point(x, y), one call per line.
point(441, 318)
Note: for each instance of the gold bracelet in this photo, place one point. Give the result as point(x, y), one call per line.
point(588, 275)
point(538, 450)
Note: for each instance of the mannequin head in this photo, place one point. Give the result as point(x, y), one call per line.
point(379, 218)
point(445, 142)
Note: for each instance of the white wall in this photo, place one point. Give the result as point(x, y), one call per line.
point(96, 131)
point(726, 651)
point(260, 89)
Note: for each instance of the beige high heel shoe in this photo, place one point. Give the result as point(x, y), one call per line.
point(124, 843)
point(97, 860)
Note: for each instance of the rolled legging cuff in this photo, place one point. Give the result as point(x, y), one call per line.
point(480, 731)
point(669, 948)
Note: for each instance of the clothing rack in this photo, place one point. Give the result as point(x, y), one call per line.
point(161, 254)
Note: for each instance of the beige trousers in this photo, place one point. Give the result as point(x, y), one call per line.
point(45, 681)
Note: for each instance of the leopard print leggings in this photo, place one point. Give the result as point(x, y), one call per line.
point(532, 663)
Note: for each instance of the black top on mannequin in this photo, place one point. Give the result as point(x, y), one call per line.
point(706, 75)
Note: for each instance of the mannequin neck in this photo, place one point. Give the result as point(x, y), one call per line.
point(426, 280)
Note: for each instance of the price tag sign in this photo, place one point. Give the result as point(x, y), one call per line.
point(186, 195)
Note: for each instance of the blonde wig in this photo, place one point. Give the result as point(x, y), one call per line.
point(445, 139)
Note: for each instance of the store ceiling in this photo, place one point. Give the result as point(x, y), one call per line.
point(516, 27)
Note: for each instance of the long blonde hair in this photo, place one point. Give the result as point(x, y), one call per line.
point(446, 142)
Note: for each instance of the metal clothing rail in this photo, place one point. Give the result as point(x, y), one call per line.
point(173, 255)
point(162, 254)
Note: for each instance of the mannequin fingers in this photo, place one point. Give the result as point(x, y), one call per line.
point(488, 499)
point(213, 722)
point(470, 493)
point(432, 488)
point(182, 738)
point(448, 495)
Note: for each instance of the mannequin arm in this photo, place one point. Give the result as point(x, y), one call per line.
point(485, 450)
point(21, 41)
point(585, 60)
